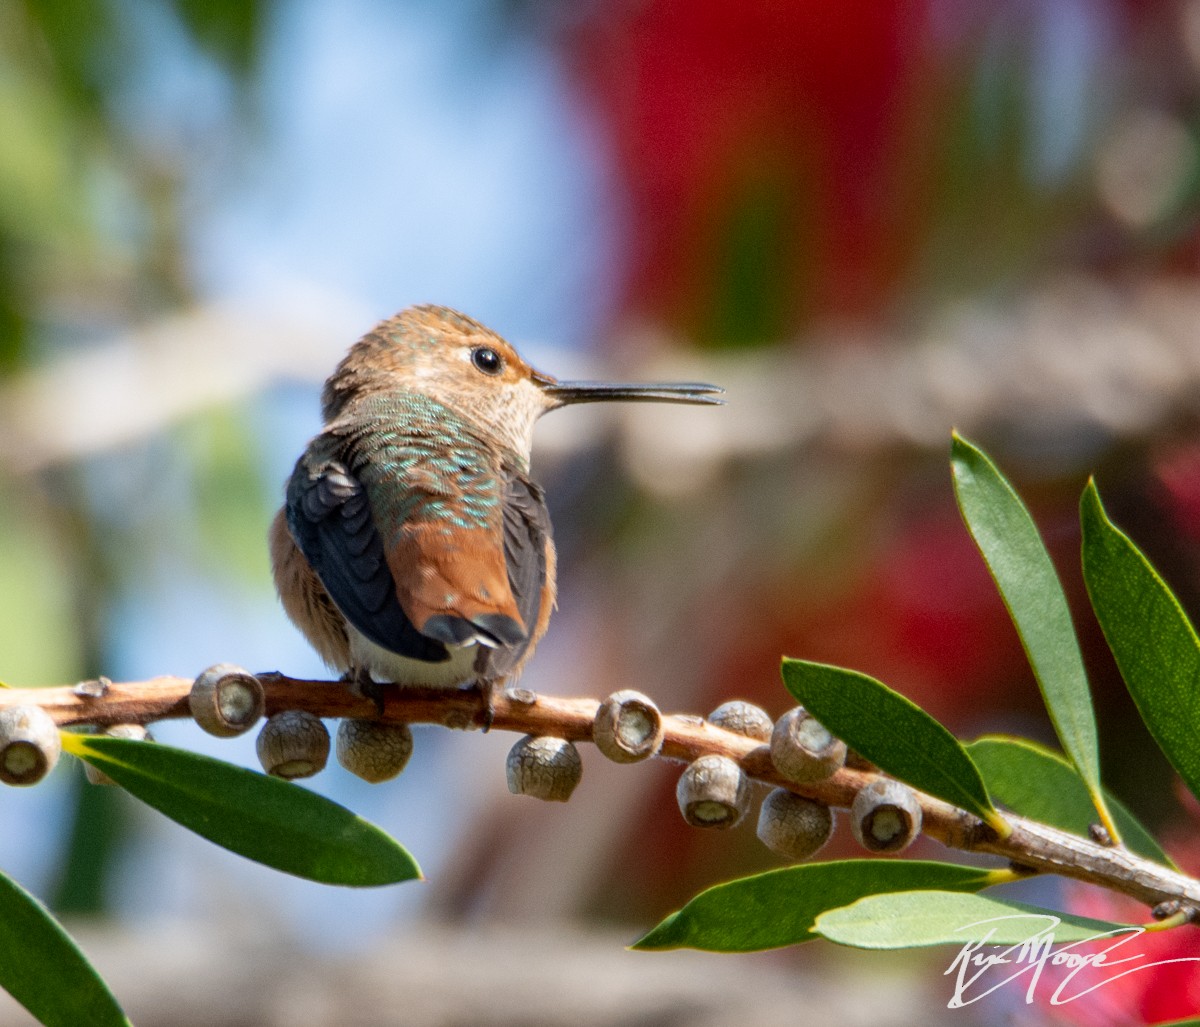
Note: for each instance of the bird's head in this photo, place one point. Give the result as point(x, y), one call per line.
point(470, 369)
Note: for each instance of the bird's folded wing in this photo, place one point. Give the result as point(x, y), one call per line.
point(529, 557)
point(330, 518)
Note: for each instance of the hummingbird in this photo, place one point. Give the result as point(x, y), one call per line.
point(413, 546)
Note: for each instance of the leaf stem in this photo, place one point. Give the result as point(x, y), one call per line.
point(1106, 818)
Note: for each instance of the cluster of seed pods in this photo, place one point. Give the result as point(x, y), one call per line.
point(627, 728)
point(226, 700)
point(713, 791)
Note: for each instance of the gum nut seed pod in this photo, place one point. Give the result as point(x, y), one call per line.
point(885, 816)
point(29, 744)
point(544, 767)
point(293, 744)
point(803, 750)
point(794, 826)
point(713, 792)
point(743, 718)
point(226, 700)
point(372, 749)
point(136, 732)
point(628, 727)
point(132, 732)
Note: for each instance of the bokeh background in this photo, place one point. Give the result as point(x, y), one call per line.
point(870, 220)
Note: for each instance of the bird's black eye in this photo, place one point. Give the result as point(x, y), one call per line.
point(487, 360)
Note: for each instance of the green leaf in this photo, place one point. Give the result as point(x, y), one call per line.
point(1039, 784)
point(904, 920)
point(778, 908)
point(893, 733)
point(43, 969)
point(1149, 634)
point(262, 818)
point(1013, 551)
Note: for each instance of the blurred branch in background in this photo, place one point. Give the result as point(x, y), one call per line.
point(115, 392)
point(1058, 374)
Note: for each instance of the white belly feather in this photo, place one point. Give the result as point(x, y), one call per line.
point(385, 665)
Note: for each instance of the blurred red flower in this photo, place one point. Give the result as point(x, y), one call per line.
point(758, 146)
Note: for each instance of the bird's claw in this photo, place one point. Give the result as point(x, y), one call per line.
point(362, 684)
point(487, 692)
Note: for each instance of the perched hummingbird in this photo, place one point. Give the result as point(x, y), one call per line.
point(413, 546)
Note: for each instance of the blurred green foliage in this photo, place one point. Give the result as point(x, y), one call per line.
point(90, 238)
point(38, 632)
point(69, 159)
point(227, 494)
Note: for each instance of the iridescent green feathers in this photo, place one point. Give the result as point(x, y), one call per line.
point(450, 477)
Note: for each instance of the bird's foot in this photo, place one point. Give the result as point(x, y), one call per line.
point(487, 692)
point(362, 684)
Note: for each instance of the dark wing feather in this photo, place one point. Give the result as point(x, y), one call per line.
point(526, 537)
point(330, 519)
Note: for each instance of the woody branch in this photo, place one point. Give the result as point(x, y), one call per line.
point(1032, 846)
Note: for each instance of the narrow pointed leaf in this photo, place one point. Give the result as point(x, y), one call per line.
point(43, 969)
point(262, 818)
point(1025, 576)
point(1151, 637)
point(778, 908)
point(904, 920)
point(1039, 784)
point(892, 732)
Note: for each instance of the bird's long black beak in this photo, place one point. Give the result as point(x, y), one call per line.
point(696, 393)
